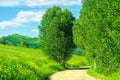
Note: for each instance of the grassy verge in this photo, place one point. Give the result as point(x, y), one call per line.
point(113, 76)
point(17, 63)
point(92, 73)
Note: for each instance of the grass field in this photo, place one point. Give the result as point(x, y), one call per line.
point(17, 63)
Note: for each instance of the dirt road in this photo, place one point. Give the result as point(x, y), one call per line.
point(71, 75)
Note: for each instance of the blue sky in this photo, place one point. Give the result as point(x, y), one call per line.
point(23, 16)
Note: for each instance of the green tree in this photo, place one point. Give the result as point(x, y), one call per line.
point(56, 34)
point(97, 30)
point(2, 40)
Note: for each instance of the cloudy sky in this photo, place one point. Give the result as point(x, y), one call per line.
point(23, 16)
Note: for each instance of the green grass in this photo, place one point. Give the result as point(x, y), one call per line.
point(113, 76)
point(17, 63)
point(77, 61)
point(91, 72)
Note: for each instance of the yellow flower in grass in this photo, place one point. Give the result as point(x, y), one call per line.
point(0, 68)
point(33, 65)
point(45, 65)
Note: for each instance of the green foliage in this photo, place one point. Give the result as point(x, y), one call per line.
point(56, 34)
point(17, 63)
point(2, 41)
point(98, 32)
point(78, 51)
point(77, 61)
point(19, 40)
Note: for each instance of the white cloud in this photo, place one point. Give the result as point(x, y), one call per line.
point(28, 16)
point(21, 18)
point(10, 3)
point(35, 30)
point(51, 2)
point(33, 3)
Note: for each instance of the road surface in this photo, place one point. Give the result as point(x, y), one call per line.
point(71, 75)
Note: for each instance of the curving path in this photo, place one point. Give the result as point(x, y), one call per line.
point(71, 75)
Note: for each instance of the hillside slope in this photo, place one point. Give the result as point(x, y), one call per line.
point(17, 63)
point(20, 40)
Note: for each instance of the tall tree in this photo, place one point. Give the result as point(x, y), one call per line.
point(56, 34)
point(97, 30)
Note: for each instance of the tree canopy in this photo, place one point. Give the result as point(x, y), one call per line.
point(98, 31)
point(56, 37)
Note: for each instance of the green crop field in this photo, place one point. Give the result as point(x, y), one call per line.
point(17, 63)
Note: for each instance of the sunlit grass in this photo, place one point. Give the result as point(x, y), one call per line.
point(113, 76)
point(77, 61)
point(91, 72)
point(17, 63)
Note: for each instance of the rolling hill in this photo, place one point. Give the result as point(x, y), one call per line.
point(20, 40)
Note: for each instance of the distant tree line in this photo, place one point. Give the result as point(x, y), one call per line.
point(19, 40)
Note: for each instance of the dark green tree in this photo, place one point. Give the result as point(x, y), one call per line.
point(2, 40)
point(98, 31)
point(56, 37)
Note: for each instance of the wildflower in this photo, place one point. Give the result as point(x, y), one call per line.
point(0, 68)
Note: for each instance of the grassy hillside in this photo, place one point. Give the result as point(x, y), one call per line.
point(17, 63)
point(20, 40)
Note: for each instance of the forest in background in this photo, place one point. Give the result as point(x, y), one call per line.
point(20, 40)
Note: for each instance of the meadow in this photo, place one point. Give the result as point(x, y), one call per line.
point(20, 63)
point(17, 63)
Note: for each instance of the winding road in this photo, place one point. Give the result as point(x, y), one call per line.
point(71, 75)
